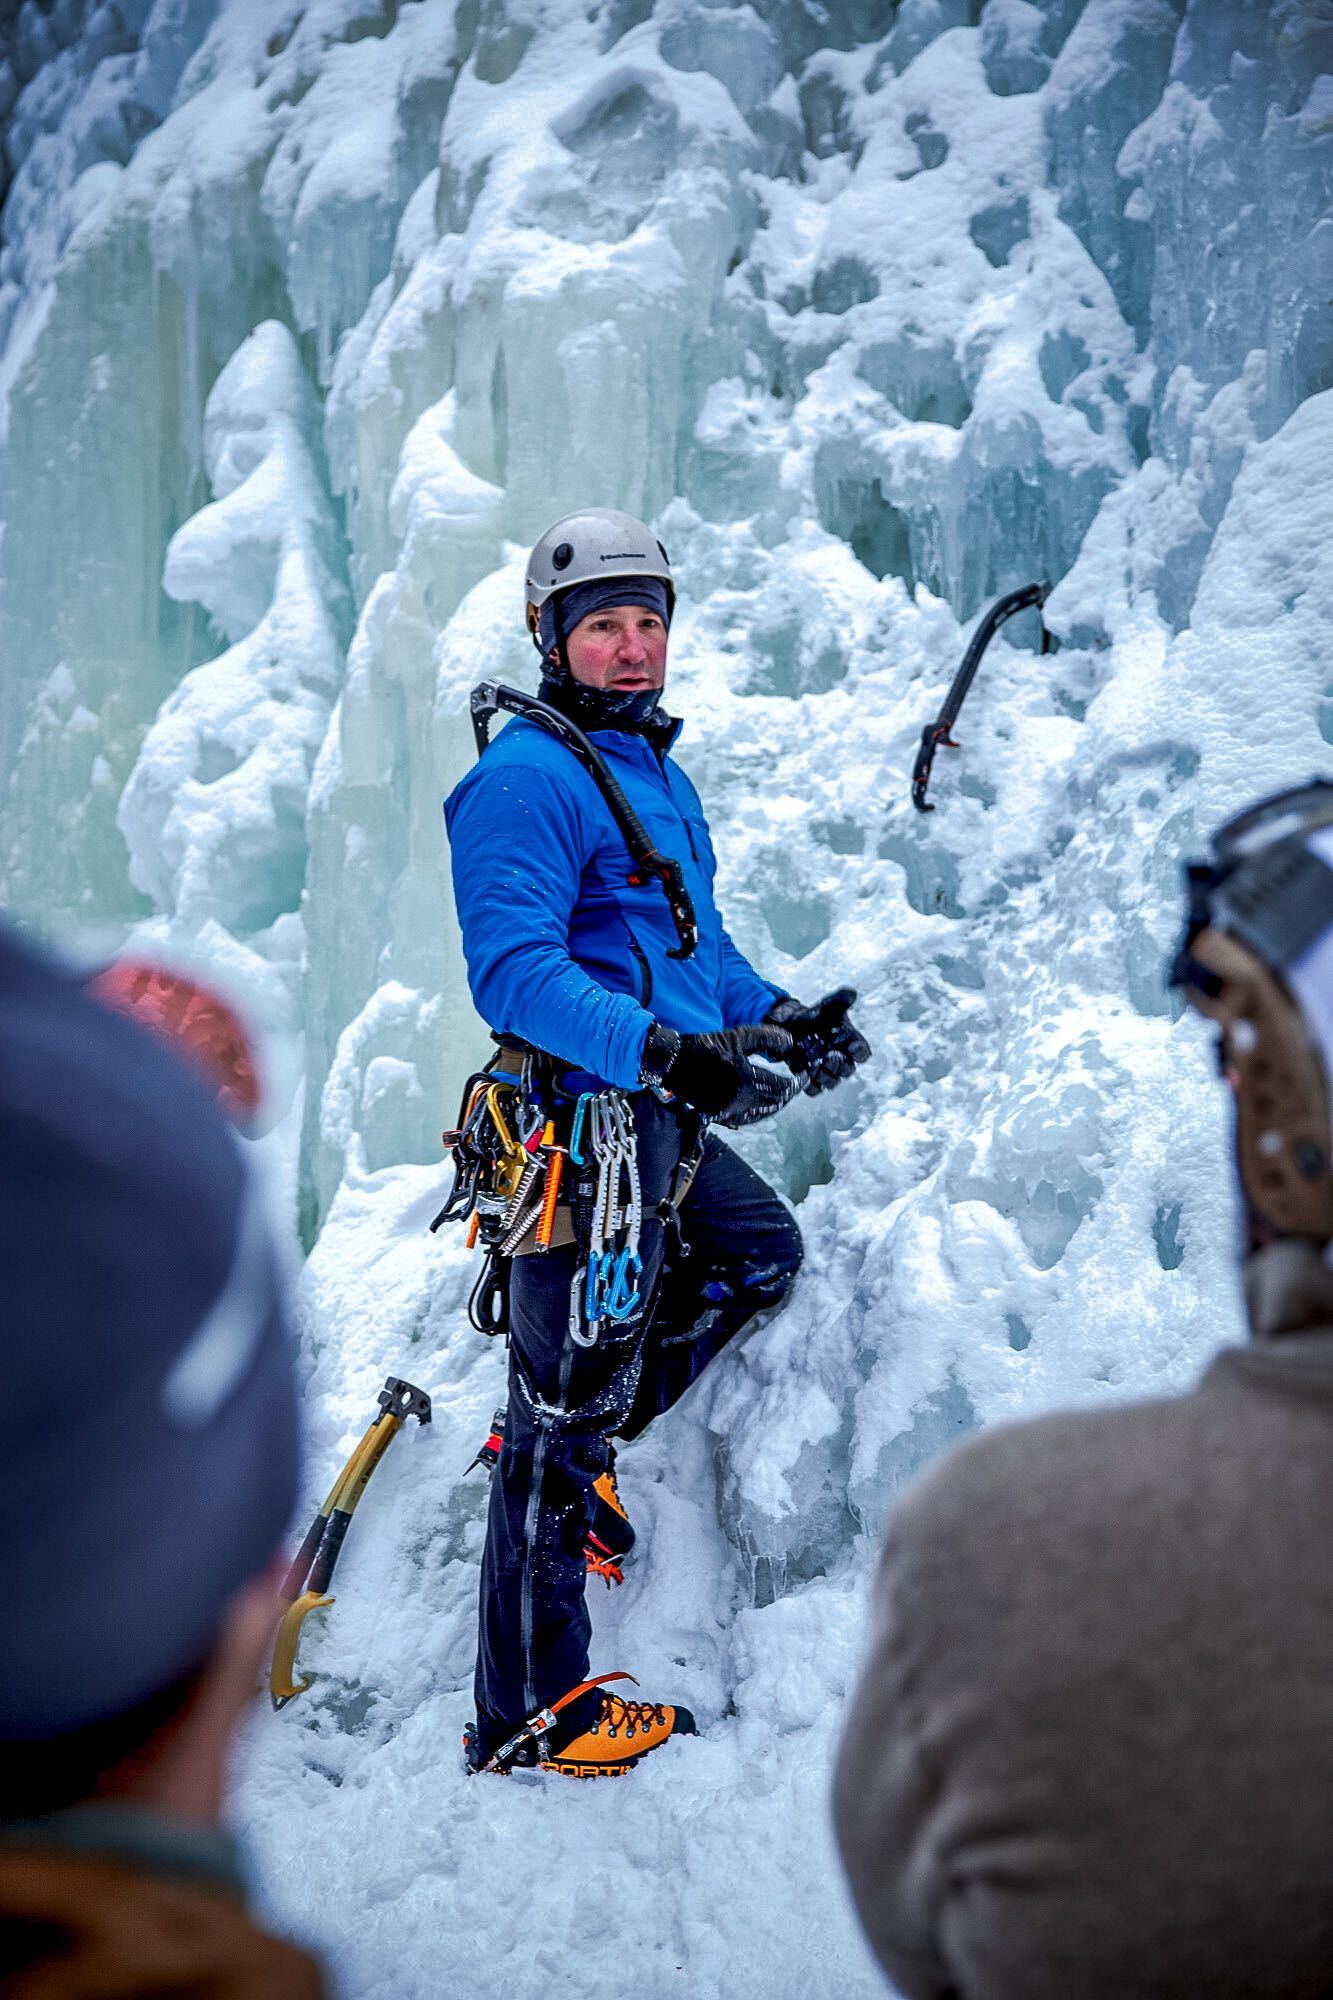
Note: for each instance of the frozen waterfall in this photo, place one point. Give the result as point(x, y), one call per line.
point(313, 313)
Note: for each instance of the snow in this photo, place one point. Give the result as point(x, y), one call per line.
point(311, 318)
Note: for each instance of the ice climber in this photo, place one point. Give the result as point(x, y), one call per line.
point(1092, 1749)
point(571, 952)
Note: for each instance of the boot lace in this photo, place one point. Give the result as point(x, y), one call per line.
point(631, 1716)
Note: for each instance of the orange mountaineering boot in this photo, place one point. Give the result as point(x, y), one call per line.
point(620, 1735)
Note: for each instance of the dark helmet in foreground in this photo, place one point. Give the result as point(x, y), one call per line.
point(1257, 958)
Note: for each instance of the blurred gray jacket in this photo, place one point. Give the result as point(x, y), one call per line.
point(1092, 1749)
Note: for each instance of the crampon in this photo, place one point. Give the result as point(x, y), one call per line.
point(621, 1733)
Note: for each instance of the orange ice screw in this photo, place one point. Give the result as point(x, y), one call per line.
point(472, 1229)
point(555, 1160)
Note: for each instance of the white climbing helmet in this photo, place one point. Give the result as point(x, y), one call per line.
point(595, 542)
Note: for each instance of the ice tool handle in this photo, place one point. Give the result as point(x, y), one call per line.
point(649, 861)
point(1031, 597)
point(307, 1582)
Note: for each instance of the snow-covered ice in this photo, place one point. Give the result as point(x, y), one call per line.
point(312, 316)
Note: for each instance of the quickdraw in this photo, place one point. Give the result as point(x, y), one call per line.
point(605, 1286)
point(940, 731)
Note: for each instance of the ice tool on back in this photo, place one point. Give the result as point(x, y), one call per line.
point(647, 861)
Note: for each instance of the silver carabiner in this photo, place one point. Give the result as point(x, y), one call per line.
point(582, 1334)
point(630, 1211)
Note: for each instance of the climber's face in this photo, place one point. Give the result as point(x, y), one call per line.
point(620, 650)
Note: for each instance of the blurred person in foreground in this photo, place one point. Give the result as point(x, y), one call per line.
point(1092, 1749)
point(198, 1023)
point(148, 1468)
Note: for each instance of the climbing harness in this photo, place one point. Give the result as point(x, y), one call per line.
point(510, 1184)
point(308, 1579)
point(940, 731)
point(649, 861)
point(508, 1167)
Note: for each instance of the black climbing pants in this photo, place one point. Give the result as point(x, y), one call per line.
point(566, 1404)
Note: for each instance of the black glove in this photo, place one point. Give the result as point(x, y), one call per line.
point(827, 1047)
point(713, 1072)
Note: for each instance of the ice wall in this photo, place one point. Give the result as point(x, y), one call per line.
point(312, 317)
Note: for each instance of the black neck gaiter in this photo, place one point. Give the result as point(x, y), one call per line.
point(636, 711)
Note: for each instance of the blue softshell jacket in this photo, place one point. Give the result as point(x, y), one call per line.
point(561, 949)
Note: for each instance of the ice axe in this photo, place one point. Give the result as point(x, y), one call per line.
point(940, 731)
point(308, 1579)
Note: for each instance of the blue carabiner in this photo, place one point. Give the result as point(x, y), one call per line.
point(592, 1300)
point(576, 1130)
point(621, 1302)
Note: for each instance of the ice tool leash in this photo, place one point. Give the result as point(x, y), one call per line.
point(650, 864)
point(940, 731)
point(308, 1579)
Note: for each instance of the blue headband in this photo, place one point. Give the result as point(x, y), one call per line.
point(570, 607)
